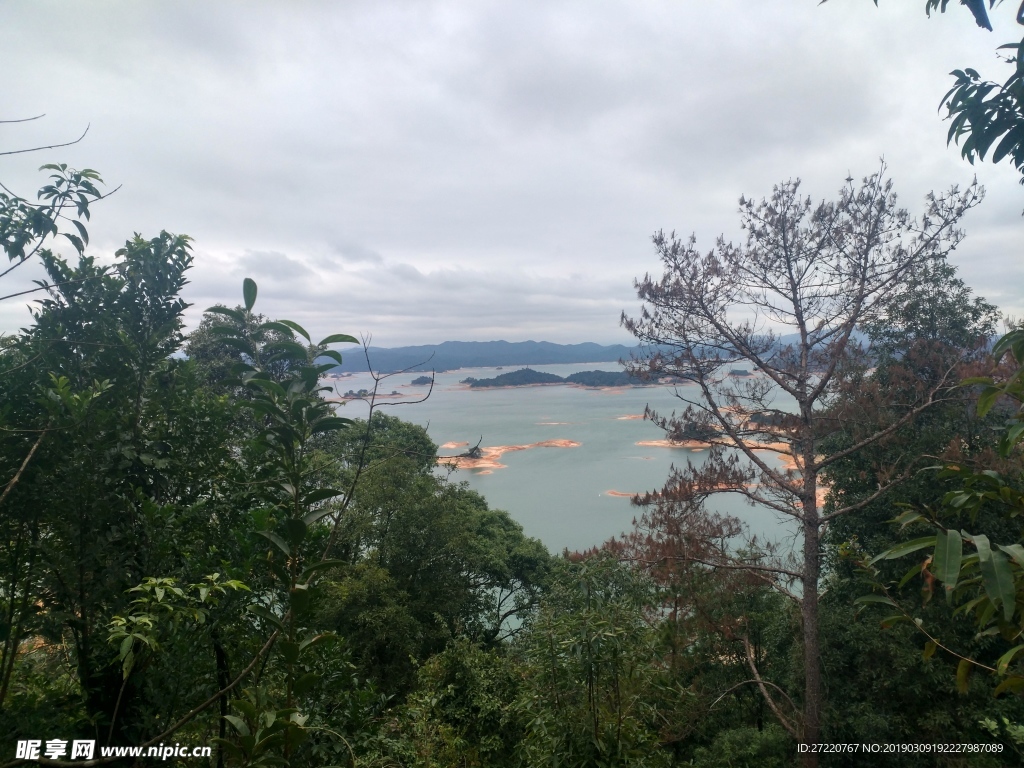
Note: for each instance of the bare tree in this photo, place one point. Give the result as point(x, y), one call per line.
point(784, 306)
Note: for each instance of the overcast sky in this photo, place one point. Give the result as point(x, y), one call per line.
point(472, 170)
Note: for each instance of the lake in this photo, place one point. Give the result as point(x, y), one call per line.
point(559, 495)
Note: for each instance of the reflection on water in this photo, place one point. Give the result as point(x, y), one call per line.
point(570, 497)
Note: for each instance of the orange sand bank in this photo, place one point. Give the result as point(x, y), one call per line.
point(491, 454)
point(454, 445)
point(630, 417)
point(620, 494)
point(693, 445)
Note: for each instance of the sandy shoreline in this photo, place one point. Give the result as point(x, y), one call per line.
point(691, 445)
point(491, 454)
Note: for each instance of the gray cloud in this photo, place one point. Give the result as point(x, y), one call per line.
point(431, 170)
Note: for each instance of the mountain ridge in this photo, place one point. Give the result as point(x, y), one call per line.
point(452, 355)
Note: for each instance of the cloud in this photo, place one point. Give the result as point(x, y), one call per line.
point(354, 253)
point(274, 265)
point(389, 165)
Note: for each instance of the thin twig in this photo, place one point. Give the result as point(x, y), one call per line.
point(17, 475)
point(38, 149)
point(785, 722)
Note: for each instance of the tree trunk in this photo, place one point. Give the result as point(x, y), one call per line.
point(809, 613)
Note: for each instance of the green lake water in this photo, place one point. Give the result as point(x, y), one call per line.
point(558, 495)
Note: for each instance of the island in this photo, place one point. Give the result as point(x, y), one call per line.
point(421, 381)
point(526, 377)
point(485, 460)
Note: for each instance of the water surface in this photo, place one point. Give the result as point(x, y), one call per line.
point(559, 495)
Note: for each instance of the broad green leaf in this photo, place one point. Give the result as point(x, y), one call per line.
point(332, 354)
point(1007, 342)
point(905, 549)
point(908, 517)
point(1007, 658)
point(75, 240)
point(320, 566)
point(234, 314)
point(323, 637)
point(273, 325)
point(81, 231)
point(1016, 551)
point(297, 328)
point(330, 424)
point(863, 599)
point(316, 515)
point(265, 614)
point(1011, 685)
point(337, 338)
point(996, 576)
point(929, 649)
point(238, 724)
point(948, 553)
point(963, 673)
point(320, 494)
point(987, 399)
point(911, 574)
point(285, 349)
point(249, 293)
point(281, 543)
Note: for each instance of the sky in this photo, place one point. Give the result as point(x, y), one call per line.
point(422, 171)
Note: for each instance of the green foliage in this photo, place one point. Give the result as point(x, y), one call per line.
point(464, 709)
point(162, 602)
point(747, 748)
point(986, 115)
point(25, 226)
point(982, 581)
point(426, 559)
point(590, 670)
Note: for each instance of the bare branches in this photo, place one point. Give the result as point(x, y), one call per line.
point(46, 146)
point(786, 723)
point(23, 119)
point(361, 464)
point(17, 475)
point(786, 305)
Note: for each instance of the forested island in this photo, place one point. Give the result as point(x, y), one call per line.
point(529, 377)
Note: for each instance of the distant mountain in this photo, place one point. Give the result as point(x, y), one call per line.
point(451, 355)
